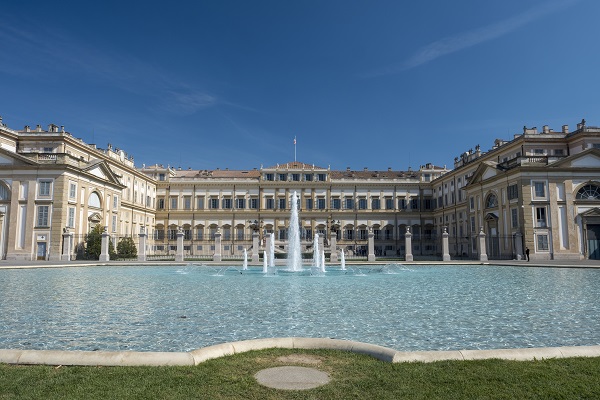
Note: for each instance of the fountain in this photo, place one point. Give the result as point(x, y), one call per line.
point(245, 264)
point(316, 253)
point(294, 260)
point(342, 260)
point(265, 262)
point(272, 251)
point(322, 260)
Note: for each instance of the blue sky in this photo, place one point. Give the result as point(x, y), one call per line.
point(377, 84)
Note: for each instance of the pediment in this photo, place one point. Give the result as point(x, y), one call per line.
point(593, 212)
point(589, 158)
point(488, 173)
point(100, 169)
point(8, 157)
point(486, 170)
point(95, 218)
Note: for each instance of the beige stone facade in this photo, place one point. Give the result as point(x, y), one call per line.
point(539, 190)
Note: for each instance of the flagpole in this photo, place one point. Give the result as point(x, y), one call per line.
point(294, 148)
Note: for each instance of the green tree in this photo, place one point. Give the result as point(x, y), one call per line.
point(126, 248)
point(93, 242)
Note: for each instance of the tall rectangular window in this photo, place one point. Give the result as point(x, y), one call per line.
point(389, 203)
point(187, 202)
point(539, 189)
point(270, 203)
point(542, 242)
point(281, 204)
point(540, 217)
point(336, 204)
point(214, 203)
point(375, 203)
point(226, 204)
point(254, 203)
point(72, 191)
point(114, 223)
point(349, 203)
point(200, 202)
point(240, 203)
point(513, 192)
point(362, 204)
point(71, 218)
point(514, 217)
point(42, 215)
point(472, 203)
point(309, 204)
point(161, 204)
point(44, 188)
point(173, 203)
point(321, 203)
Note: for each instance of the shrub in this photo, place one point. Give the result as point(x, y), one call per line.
point(126, 248)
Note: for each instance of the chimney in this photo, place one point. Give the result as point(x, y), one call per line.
point(347, 169)
point(38, 128)
point(389, 169)
point(546, 129)
point(27, 128)
point(366, 169)
point(565, 129)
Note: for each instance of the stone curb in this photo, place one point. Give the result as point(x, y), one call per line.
point(195, 357)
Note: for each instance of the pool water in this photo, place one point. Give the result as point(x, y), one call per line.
point(179, 308)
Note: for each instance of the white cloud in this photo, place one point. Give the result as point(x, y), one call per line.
point(465, 40)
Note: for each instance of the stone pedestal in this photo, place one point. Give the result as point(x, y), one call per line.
point(333, 257)
point(255, 247)
point(445, 246)
point(179, 253)
point(218, 247)
point(104, 256)
point(519, 245)
point(67, 246)
point(371, 256)
point(142, 247)
point(408, 245)
point(481, 246)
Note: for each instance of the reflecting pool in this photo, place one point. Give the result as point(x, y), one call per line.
point(179, 308)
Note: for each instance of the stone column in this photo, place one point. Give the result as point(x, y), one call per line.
point(179, 251)
point(217, 256)
point(104, 256)
point(67, 245)
point(481, 247)
point(255, 247)
point(408, 245)
point(445, 245)
point(371, 256)
point(142, 245)
point(333, 257)
point(519, 245)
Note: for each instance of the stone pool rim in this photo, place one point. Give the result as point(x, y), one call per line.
point(195, 357)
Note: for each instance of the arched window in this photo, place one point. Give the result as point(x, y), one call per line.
point(94, 200)
point(588, 192)
point(491, 201)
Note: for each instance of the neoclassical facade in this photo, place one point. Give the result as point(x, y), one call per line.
point(538, 191)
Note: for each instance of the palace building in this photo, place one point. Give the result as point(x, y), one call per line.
point(538, 191)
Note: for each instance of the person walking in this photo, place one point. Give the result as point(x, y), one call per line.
point(527, 253)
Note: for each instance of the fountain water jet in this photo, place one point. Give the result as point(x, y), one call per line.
point(294, 261)
point(322, 260)
point(265, 265)
point(316, 253)
point(272, 251)
point(245, 265)
point(342, 260)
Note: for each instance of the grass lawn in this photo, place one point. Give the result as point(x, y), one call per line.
point(353, 376)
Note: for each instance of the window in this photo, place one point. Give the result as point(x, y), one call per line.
point(349, 234)
point(283, 177)
point(402, 204)
point(559, 152)
point(538, 152)
point(173, 203)
point(240, 233)
point(199, 233)
point(296, 177)
point(115, 202)
point(389, 203)
point(282, 232)
point(514, 217)
point(44, 188)
point(309, 204)
point(71, 218)
point(42, 215)
point(388, 234)
point(72, 191)
point(281, 204)
point(322, 177)
point(376, 234)
point(161, 177)
point(349, 203)
point(308, 177)
point(226, 204)
point(513, 192)
point(588, 192)
point(336, 204)
point(200, 202)
point(187, 202)
point(542, 242)
point(427, 177)
point(254, 203)
point(114, 224)
point(214, 203)
point(240, 203)
point(472, 203)
point(159, 234)
point(172, 234)
point(375, 203)
point(187, 234)
point(362, 204)
point(539, 189)
point(321, 203)
point(414, 204)
point(270, 203)
point(161, 203)
point(540, 217)
point(268, 177)
point(362, 234)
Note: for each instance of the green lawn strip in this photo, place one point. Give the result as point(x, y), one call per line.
point(353, 376)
